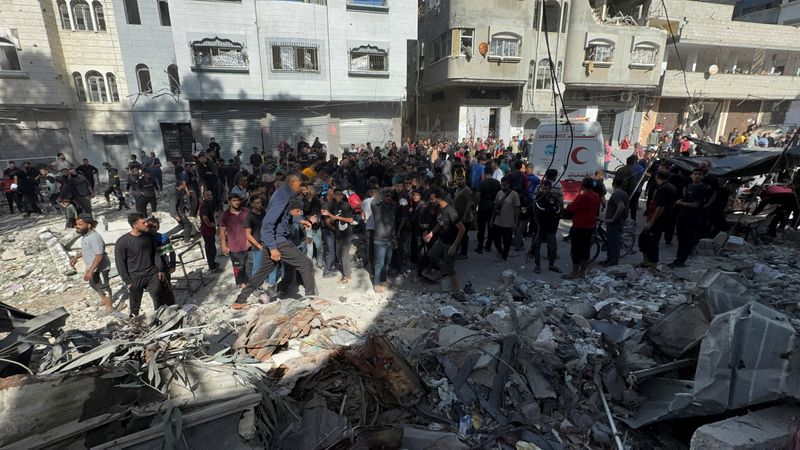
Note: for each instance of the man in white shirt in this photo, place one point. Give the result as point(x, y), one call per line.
point(497, 174)
point(95, 258)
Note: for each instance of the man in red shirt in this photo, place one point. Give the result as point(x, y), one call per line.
point(585, 209)
point(233, 239)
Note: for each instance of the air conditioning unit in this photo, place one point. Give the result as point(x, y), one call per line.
point(625, 96)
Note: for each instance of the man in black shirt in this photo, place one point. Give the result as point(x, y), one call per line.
point(89, 172)
point(659, 215)
point(385, 237)
point(448, 230)
point(146, 189)
point(83, 190)
point(339, 218)
point(180, 209)
point(312, 208)
point(139, 265)
point(486, 194)
point(208, 176)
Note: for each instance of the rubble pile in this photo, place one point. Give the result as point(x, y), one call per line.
point(522, 363)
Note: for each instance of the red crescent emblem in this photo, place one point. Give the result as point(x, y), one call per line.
point(575, 155)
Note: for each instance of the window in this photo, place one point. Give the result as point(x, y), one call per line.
point(600, 51)
point(99, 17)
point(437, 50)
point(174, 79)
point(552, 16)
point(132, 12)
point(63, 12)
point(368, 3)
point(97, 87)
point(219, 53)
point(544, 75)
point(467, 40)
point(504, 45)
point(644, 55)
point(163, 13)
point(447, 43)
point(565, 18)
point(558, 71)
point(143, 76)
point(82, 14)
point(79, 89)
point(9, 60)
point(369, 59)
point(295, 58)
point(112, 86)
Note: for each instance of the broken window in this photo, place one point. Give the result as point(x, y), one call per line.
point(467, 39)
point(219, 53)
point(143, 77)
point(600, 51)
point(644, 55)
point(505, 45)
point(80, 90)
point(295, 58)
point(368, 58)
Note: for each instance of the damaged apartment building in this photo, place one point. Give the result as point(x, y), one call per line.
point(483, 68)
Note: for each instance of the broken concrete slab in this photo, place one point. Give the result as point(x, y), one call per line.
point(455, 334)
point(679, 330)
point(419, 439)
point(766, 428)
point(723, 291)
point(12, 254)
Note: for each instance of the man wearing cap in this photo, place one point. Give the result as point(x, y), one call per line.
point(233, 239)
point(95, 258)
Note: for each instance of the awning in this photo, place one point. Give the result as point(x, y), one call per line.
point(740, 163)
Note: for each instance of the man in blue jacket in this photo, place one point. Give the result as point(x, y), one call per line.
point(276, 235)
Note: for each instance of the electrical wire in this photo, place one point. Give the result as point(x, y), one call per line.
point(557, 96)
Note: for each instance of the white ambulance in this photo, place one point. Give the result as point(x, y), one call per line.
point(551, 149)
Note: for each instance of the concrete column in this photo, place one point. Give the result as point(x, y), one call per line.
point(108, 90)
point(760, 112)
point(504, 122)
point(723, 118)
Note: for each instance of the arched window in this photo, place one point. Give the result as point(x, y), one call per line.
point(600, 51)
point(644, 54)
point(174, 79)
point(63, 12)
point(369, 58)
point(544, 75)
point(504, 44)
point(565, 18)
point(99, 17)
point(143, 76)
point(82, 15)
point(9, 60)
point(112, 87)
point(97, 87)
point(79, 89)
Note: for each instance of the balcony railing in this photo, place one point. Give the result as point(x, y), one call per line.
point(723, 85)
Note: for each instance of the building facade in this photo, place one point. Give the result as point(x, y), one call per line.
point(723, 74)
point(260, 72)
point(777, 12)
point(603, 68)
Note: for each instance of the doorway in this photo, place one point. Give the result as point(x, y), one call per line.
point(117, 151)
point(178, 140)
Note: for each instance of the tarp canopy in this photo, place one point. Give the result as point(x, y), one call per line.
point(740, 163)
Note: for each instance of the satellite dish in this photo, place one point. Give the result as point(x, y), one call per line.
point(713, 69)
point(483, 47)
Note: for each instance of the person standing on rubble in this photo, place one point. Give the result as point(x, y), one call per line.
point(139, 265)
point(448, 231)
point(208, 229)
point(616, 213)
point(584, 210)
point(233, 239)
point(690, 217)
point(275, 233)
point(658, 216)
point(95, 258)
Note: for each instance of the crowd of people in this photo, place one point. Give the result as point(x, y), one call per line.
point(276, 215)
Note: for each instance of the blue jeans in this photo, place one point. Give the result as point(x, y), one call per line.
point(274, 277)
point(383, 256)
point(316, 241)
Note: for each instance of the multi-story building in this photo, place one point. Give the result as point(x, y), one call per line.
point(35, 94)
point(605, 68)
point(260, 72)
point(159, 113)
point(778, 12)
point(723, 74)
point(483, 67)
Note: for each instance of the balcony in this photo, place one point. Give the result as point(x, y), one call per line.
point(730, 86)
point(368, 5)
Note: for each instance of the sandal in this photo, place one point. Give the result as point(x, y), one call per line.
point(344, 280)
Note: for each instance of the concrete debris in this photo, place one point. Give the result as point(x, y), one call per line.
point(766, 428)
point(519, 363)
